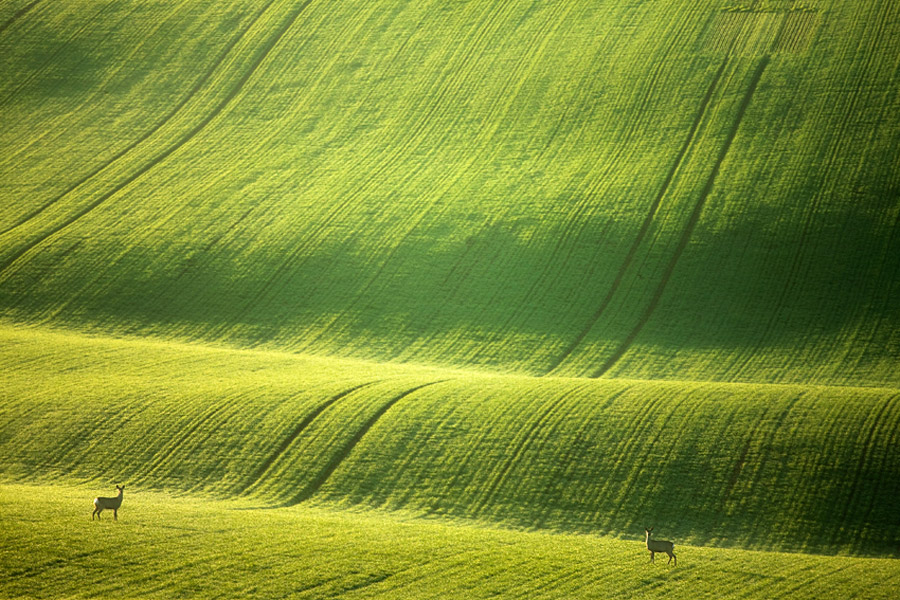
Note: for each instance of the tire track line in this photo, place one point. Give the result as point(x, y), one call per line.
point(571, 231)
point(173, 446)
point(625, 466)
point(601, 180)
point(180, 142)
point(768, 441)
point(312, 487)
point(57, 129)
point(267, 464)
point(645, 226)
point(639, 463)
point(750, 440)
point(691, 224)
point(889, 456)
point(298, 256)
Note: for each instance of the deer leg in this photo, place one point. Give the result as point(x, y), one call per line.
point(115, 514)
point(651, 555)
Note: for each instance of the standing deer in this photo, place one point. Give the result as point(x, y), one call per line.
point(655, 546)
point(113, 503)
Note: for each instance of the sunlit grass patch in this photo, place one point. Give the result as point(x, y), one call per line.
point(163, 547)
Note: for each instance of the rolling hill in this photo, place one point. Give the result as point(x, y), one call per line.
point(571, 268)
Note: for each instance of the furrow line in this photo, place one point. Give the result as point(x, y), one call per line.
point(834, 152)
point(741, 461)
point(569, 233)
point(640, 462)
point(165, 454)
point(89, 104)
point(312, 487)
point(645, 226)
point(515, 456)
point(691, 224)
point(633, 433)
point(36, 570)
point(154, 129)
point(516, 81)
point(296, 257)
point(866, 450)
point(180, 142)
point(267, 464)
point(569, 456)
point(443, 88)
point(769, 439)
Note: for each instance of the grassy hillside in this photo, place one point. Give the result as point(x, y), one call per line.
point(205, 549)
point(569, 267)
point(811, 469)
point(669, 189)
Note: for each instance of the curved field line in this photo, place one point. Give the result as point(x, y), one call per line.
point(892, 443)
point(149, 133)
point(877, 422)
point(167, 452)
point(691, 224)
point(442, 88)
point(514, 457)
point(770, 435)
point(625, 448)
point(835, 151)
point(640, 462)
point(741, 461)
point(645, 226)
point(181, 141)
point(87, 103)
point(570, 230)
point(510, 92)
point(264, 467)
point(36, 570)
point(312, 487)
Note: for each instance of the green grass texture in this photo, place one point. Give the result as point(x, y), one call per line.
point(172, 547)
point(682, 190)
point(802, 469)
point(393, 298)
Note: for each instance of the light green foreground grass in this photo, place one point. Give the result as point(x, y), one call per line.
point(166, 547)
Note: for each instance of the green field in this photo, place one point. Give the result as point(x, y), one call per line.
point(167, 547)
point(458, 296)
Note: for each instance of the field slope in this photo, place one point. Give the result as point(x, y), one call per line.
point(522, 274)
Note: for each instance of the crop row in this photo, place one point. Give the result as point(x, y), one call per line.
point(481, 185)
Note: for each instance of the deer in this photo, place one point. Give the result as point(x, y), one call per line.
point(655, 546)
point(101, 503)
